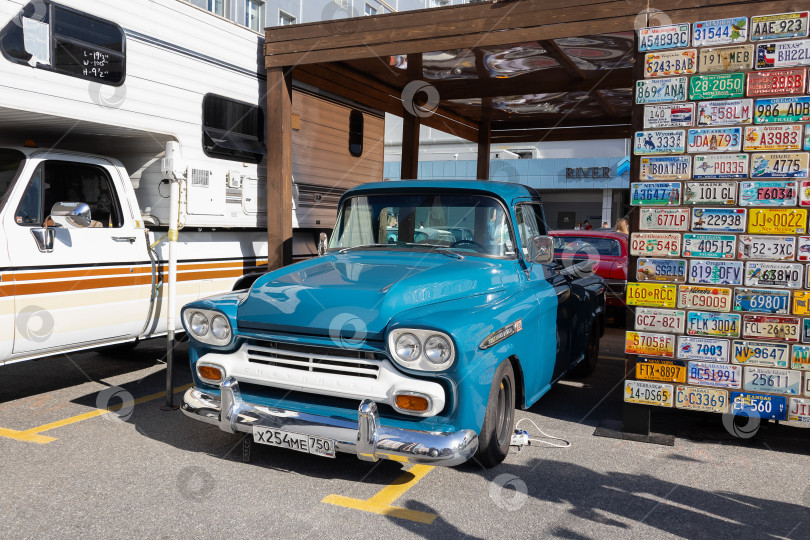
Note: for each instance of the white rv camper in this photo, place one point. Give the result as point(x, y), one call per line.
point(102, 105)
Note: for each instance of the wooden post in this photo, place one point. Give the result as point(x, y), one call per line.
point(484, 138)
point(410, 124)
point(279, 167)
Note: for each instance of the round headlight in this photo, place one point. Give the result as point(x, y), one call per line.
point(220, 328)
point(199, 324)
point(408, 347)
point(437, 349)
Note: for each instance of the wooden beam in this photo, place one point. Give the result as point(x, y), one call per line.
point(557, 134)
point(279, 168)
point(606, 105)
point(484, 138)
point(554, 51)
point(409, 168)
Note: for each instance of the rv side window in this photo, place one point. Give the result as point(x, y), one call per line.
point(232, 129)
point(53, 37)
point(65, 181)
point(356, 133)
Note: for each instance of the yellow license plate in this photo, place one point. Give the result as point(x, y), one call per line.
point(701, 399)
point(652, 294)
point(660, 370)
point(801, 303)
point(777, 221)
point(648, 393)
point(650, 344)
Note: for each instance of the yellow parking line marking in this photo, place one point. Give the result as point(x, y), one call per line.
point(33, 434)
point(382, 502)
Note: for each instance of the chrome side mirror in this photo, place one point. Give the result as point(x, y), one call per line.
point(44, 238)
point(71, 215)
point(323, 243)
point(541, 249)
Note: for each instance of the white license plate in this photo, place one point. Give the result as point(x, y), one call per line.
point(768, 193)
point(712, 272)
point(759, 353)
point(725, 112)
point(655, 244)
point(660, 320)
point(664, 219)
point(720, 375)
point(706, 298)
point(663, 37)
point(777, 381)
point(701, 399)
point(665, 116)
point(719, 166)
point(783, 54)
point(648, 393)
point(705, 323)
point(772, 274)
point(654, 168)
point(726, 139)
point(770, 248)
point(771, 327)
point(709, 246)
point(719, 31)
point(779, 26)
point(799, 410)
point(669, 63)
point(661, 90)
point(718, 219)
point(770, 138)
point(725, 59)
point(710, 193)
point(659, 142)
point(294, 441)
point(703, 349)
point(779, 165)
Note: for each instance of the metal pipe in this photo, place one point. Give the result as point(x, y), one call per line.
point(174, 218)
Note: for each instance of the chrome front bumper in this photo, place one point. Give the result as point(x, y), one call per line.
point(366, 438)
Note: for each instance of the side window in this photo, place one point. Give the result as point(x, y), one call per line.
point(232, 129)
point(356, 133)
point(64, 181)
point(528, 223)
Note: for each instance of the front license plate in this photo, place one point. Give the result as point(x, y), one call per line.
point(648, 393)
point(778, 165)
point(800, 359)
point(661, 90)
point(721, 166)
point(770, 301)
point(719, 86)
point(773, 274)
point(777, 221)
point(655, 194)
point(661, 270)
point(783, 54)
point(704, 349)
point(664, 116)
point(718, 219)
point(708, 298)
point(777, 83)
point(799, 410)
point(649, 344)
point(758, 405)
point(663, 37)
point(669, 321)
point(666, 168)
point(651, 294)
point(801, 303)
point(723, 59)
point(701, 399)
point(659, 142)
point(702, 323)
point(669, 63)
point(770, 248)
point(725, 112)
point(759, 353)
point(769, 138)
point(655, 244)
point(777, 381)
point(715, 139)
point(719, 32)
point(709, 246)
point(710, 193)
point(768, 193)
point(653, 369)
point(782, 110)
point(720, 375)
point(664, 219)
point(294, 441)
point(780, 26)
point(771, 327)
point(715, 272)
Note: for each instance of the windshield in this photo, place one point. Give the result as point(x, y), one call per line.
point(570, 246)
point(469, 224)
point(10, 163)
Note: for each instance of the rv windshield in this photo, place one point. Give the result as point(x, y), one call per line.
point(465, 224)
point(10, 163)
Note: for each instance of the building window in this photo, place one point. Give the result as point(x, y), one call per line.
point(356, 133)
point(232, 129)
point(370, 10)
point(285, 19)
point(217, 6)
point(254, 15)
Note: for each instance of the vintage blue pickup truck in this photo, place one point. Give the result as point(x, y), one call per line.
point(436, 309)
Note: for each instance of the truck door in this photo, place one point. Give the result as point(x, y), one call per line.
point(11, 162)
point(93, 286)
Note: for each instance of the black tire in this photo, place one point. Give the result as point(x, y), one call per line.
point(499, 418)
point(588, 364)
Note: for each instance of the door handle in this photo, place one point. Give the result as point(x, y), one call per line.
point(130, 239)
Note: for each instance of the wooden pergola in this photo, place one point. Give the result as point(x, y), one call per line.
point(493, 72)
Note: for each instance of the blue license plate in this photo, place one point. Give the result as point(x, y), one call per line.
point(762, 301)
point(655, 193)
point(768, 193)
point(718, 219)
point(665, 270)
point(758, 405)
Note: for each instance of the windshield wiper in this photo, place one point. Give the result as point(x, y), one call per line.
point(364, 246)
point(444, 250)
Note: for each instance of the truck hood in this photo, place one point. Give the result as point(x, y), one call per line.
point(354, 295)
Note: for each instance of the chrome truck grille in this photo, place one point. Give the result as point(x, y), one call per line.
point(335, 361)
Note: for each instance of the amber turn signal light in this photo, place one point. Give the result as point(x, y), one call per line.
point(411, 403)
point(210, 373)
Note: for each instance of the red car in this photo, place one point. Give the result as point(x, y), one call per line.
point(603, 250)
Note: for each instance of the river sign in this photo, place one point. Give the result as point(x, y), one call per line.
point(665, 116)
point(780, 26)
point(713, 272)
point(655, 244)
point(721, 166)
point(702, 348)
point(661, 270)
point(661, 90)
point(720, 32)
point(774, 274)
point(655, 194)
point(707, 298)
point(703, 323)
point(767, 248)
point(669, 63)
point(724, 59)
point(777, 221)
point(709, 246)
point(768, 193)
point(659, 142)
point(664, 219)
point(783, 54)
point(771, 301)
point(782, 110)
point(651, 294)
point(710, 193)
point(657, 38)
point(669, 321)
point(719, 86)
point(725, 112)
point(718, 219)
point(760, 353)
point(771, 327)
point(715, 139)
point(666, 168)
point(779, 165)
